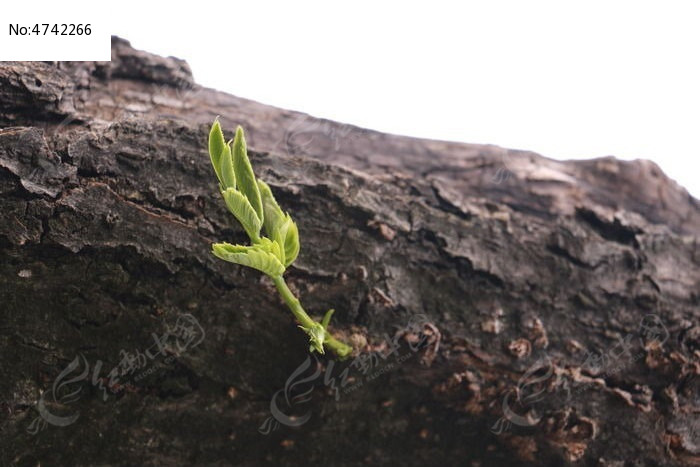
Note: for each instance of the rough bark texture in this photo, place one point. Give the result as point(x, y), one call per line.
point(108, 207)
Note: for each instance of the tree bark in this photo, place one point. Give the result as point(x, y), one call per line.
point(506, 309)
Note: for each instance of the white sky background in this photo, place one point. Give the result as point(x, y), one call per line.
point(564, 79)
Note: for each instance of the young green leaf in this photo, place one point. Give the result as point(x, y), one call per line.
point(291, 241)
point(216, 147)
point(278, 238)
point(251, 256)
point(273, 215)
point(279, 225)
point(240, 207)
point(228, 178)
point(244, 172)
point(272, 246)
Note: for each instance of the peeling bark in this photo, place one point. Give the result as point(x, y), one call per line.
point(554, 304)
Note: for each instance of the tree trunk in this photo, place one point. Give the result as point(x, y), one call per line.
point(506, 309)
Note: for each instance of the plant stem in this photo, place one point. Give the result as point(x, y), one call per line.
point(339, 348)
point(293, 302)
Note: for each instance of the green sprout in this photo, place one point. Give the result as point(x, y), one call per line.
point(251, 202)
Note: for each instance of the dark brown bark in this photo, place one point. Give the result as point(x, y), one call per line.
point(505, 259)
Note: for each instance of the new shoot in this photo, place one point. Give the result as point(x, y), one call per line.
point(274, 237)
